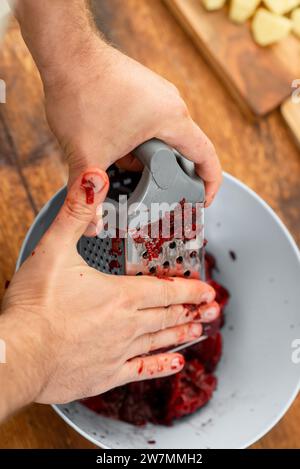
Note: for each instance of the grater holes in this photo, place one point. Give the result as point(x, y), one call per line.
point(172, 245)
point(139, 273)
point(187, 273)
point(166, 265)
point(179, 260)
point(152, 270)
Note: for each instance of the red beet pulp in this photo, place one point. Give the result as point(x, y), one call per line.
point(163, 400)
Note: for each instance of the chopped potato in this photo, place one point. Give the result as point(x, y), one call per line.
point(281, 7)
point(241, 10)
point(269, 28)
point(296, 21)
point(213, 4)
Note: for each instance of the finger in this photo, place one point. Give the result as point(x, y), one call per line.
point(192, 142)
point(166, 338)
point(155, 366)
point(151, 292)
point(79, 209)
point(156, 319)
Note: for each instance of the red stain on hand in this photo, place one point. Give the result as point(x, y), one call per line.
point(89, 187)
point(33, 253)
point(141, 367)
point(163, 277)
point(181, 362)
point(6, 285)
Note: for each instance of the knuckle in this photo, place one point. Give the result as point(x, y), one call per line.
point(165, 318)
point(150, 342)
point(181, 109)
point(125, 297)
point(211, 147)
point(174, 315)
point(182, 334)
point(75, 208)
point(127, 303)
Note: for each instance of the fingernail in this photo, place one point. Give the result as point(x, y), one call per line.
point(208, 297)
point(93, 180)
point(195, 330)
point(210, 314)
point(177, 363)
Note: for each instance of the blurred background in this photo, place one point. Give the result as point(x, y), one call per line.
point(238, 92)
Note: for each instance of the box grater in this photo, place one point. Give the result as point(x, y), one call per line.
point(164, 228)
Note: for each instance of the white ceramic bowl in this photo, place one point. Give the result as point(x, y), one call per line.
point(257, 378)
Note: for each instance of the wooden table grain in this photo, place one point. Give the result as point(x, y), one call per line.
point(261, 154)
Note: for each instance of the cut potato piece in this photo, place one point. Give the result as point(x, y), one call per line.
point(213, 4)
point(296, 21)
point(268, 28)
point(281, 7)
point(241, 10)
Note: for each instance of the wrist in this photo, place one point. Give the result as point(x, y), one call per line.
point(23, 375)
point(61, 37)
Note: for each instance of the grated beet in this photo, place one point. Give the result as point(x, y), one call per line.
point(163, 400)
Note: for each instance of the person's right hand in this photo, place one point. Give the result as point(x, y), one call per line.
point(107, 104)
point(85, 332)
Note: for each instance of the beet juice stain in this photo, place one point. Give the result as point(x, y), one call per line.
point(89, 187)
point(232, 255)
point(154, 246)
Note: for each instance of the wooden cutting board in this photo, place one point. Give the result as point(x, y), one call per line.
point(259, 78)
point(291, 114)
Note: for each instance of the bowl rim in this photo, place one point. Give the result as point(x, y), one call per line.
point(292, 243)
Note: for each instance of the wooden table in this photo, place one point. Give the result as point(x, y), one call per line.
point(261, 154)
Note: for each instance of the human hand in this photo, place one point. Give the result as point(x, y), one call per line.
point(107, 105)
point(73, 332)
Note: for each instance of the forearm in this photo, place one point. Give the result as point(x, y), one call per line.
point(22, 373)
point(58, 33)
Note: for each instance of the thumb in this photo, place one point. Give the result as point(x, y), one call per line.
point(81, 204)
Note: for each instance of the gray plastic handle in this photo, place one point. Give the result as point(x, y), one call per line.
point(166, 165)
point(160, 160)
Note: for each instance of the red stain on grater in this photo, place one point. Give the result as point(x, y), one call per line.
point(170, 198)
